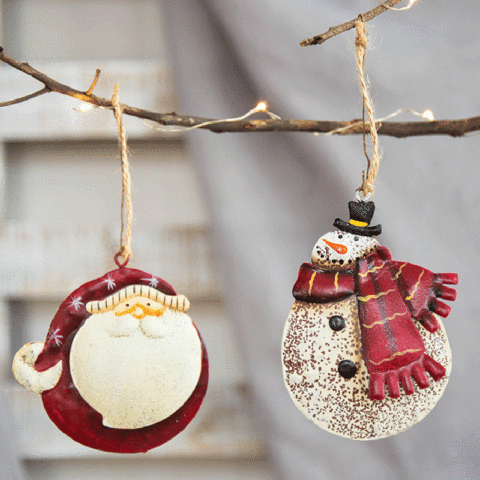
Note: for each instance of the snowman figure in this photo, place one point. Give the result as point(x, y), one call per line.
point(363, 324)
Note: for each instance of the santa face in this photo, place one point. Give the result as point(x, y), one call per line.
point(340, 250)
point(137, 363)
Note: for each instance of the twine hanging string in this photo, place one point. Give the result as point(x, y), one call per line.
point(372, 164)
point(125, 251)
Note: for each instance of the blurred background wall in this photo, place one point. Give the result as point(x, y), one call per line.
point(228, 219)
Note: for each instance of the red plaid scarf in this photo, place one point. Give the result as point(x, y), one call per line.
point(390, 295)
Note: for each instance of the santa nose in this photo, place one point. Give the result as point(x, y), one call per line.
point(138, 311)
point(341, 249)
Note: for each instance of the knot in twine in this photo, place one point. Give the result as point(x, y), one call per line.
point(372, 165)
point(361, 39)
point(125, 251)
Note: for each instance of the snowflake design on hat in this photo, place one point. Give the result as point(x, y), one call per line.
point(76, 303)
point(55, 337)
point(110, 282)
point(152, 282)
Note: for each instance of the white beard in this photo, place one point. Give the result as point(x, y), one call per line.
point(134, 372)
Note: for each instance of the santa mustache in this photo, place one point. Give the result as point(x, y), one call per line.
point(138, 319)
point(140, 311)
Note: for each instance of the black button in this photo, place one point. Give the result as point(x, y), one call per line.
point(347, 369)
point(336, 323)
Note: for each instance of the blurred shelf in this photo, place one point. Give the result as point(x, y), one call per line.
point(222, 428)
point(39, 262)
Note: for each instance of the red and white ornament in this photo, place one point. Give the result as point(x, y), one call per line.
point(363, 325)
point(123, 368)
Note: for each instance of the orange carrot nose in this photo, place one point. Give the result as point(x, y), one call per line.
point(341, 249)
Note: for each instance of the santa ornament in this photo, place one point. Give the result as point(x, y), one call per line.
point(123, 368)
point(364, 352)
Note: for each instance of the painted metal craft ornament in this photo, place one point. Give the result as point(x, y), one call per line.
point(123, 368)
point(363, 325)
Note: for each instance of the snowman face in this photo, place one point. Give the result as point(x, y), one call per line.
point(340, 250)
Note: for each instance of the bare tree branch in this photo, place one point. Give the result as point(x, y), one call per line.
point(25, 98)
point(454, 128)
point(332, 31)
point(94, 83)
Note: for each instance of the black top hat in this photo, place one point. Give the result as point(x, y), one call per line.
point(361, 214)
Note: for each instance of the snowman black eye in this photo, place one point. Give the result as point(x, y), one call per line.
point(356, 239)
point(340, 236)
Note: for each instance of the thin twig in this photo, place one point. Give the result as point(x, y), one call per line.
point(332, 31)
point(454, 128)
point(25, 98)
point(95, 80)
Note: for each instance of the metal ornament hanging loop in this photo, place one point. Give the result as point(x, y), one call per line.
point(118, 262)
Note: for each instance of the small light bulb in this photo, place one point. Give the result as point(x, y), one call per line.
point(428, 114)
point(85, 107)
point(410, 4)
point(261, 107)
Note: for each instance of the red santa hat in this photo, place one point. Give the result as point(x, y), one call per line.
point(73, 311)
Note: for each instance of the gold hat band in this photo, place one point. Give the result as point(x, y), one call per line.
point(358, 224)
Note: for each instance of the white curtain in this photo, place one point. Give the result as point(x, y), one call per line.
point(272, 195)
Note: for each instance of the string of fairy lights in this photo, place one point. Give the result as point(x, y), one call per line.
point(262, 107)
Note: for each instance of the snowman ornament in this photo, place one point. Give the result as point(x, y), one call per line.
point(123, 368)
point(365, 355)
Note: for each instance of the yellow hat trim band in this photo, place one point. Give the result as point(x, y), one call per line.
point(358, 224)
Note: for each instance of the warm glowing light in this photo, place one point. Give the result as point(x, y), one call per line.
point(261, 107)
point(85, 107)
point(428, 114)
point(410, 4)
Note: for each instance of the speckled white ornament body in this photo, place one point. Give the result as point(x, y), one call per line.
point(311, 352)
